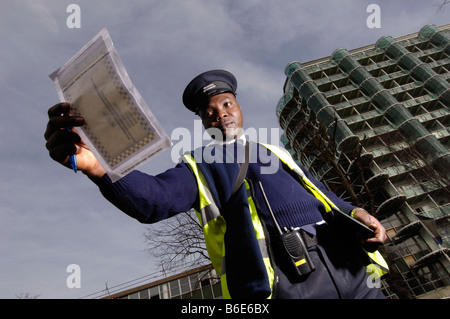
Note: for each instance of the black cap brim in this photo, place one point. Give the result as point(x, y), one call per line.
point(205, 85)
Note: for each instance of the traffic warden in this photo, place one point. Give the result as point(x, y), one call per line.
point(269, 234)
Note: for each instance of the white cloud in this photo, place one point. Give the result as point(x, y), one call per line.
point(163, 45)
point(44, 14)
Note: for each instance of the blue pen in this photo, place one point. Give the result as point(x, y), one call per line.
point(73, 158)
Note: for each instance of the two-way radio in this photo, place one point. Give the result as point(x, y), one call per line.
point(293, 243)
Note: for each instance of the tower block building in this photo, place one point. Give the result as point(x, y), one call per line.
point(373, 124)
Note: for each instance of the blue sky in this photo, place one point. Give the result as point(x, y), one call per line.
point(51, 217)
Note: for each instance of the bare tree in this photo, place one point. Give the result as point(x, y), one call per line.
point(177, 242)
point(442, 5)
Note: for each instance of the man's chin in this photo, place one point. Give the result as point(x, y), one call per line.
point(232, 133)
point(225, 135)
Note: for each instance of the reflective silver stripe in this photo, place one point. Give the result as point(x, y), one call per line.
point(209, 212)
point(263, 247)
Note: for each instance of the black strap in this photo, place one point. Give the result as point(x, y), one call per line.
point(243, 169)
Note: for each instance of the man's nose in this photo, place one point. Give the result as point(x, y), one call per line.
point(221, 114)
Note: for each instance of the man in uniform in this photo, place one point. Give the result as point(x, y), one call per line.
point(241, 220)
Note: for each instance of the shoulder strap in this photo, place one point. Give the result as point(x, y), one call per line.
point(243, 169)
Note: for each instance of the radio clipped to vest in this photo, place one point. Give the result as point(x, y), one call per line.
point(293, 243)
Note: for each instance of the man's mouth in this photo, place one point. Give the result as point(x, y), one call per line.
point(227, 124)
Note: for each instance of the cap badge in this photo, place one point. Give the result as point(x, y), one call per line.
point(208, 87)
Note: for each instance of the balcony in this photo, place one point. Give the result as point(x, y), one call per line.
point(377, 181)
point(432, 257)
point(391, 205)
point(409, 230)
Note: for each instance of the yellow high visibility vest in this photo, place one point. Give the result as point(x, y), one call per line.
point(214, 225)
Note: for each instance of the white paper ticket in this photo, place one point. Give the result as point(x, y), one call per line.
point(120, 128)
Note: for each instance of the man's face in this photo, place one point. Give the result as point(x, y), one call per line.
point(223, 113)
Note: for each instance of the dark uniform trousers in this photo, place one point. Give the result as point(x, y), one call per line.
point(339, 272)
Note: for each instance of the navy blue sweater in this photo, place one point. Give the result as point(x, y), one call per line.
point(153, 198)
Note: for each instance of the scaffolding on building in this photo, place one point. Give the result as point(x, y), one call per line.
point(385, 109)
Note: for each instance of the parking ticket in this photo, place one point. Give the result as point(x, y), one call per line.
point(120, 128)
